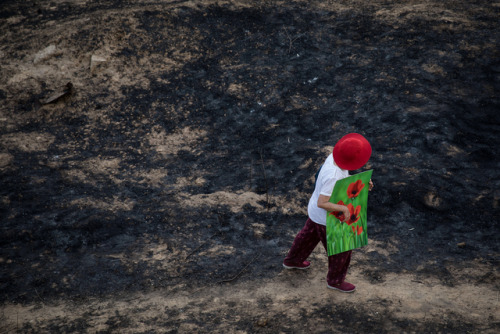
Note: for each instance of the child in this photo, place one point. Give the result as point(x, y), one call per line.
point(350, 153)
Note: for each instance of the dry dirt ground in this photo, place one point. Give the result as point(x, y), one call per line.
point(156, 158)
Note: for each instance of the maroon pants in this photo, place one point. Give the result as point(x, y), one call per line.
point(305, 242)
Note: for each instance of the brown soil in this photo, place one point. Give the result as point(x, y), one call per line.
point(161, 189)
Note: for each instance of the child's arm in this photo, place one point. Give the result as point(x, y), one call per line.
point(323, 202)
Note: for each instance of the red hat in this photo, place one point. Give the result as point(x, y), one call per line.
point(352, 151)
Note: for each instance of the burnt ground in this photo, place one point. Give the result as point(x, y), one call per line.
point(161, 193)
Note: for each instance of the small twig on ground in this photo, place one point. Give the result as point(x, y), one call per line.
point(39, 297)
point(197, 248)
point(265, 179)
point(290, 40)
point(241, 271)
point(251, 171)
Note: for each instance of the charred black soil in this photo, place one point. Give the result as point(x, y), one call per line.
point(183, 157)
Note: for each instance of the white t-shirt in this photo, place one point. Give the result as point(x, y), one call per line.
point(327, 177)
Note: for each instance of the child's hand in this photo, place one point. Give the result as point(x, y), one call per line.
point(346, 213)
point(370, 187)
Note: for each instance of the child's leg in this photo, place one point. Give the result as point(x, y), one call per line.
point(303, 245)
point(337, 264)
point(337, 267)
